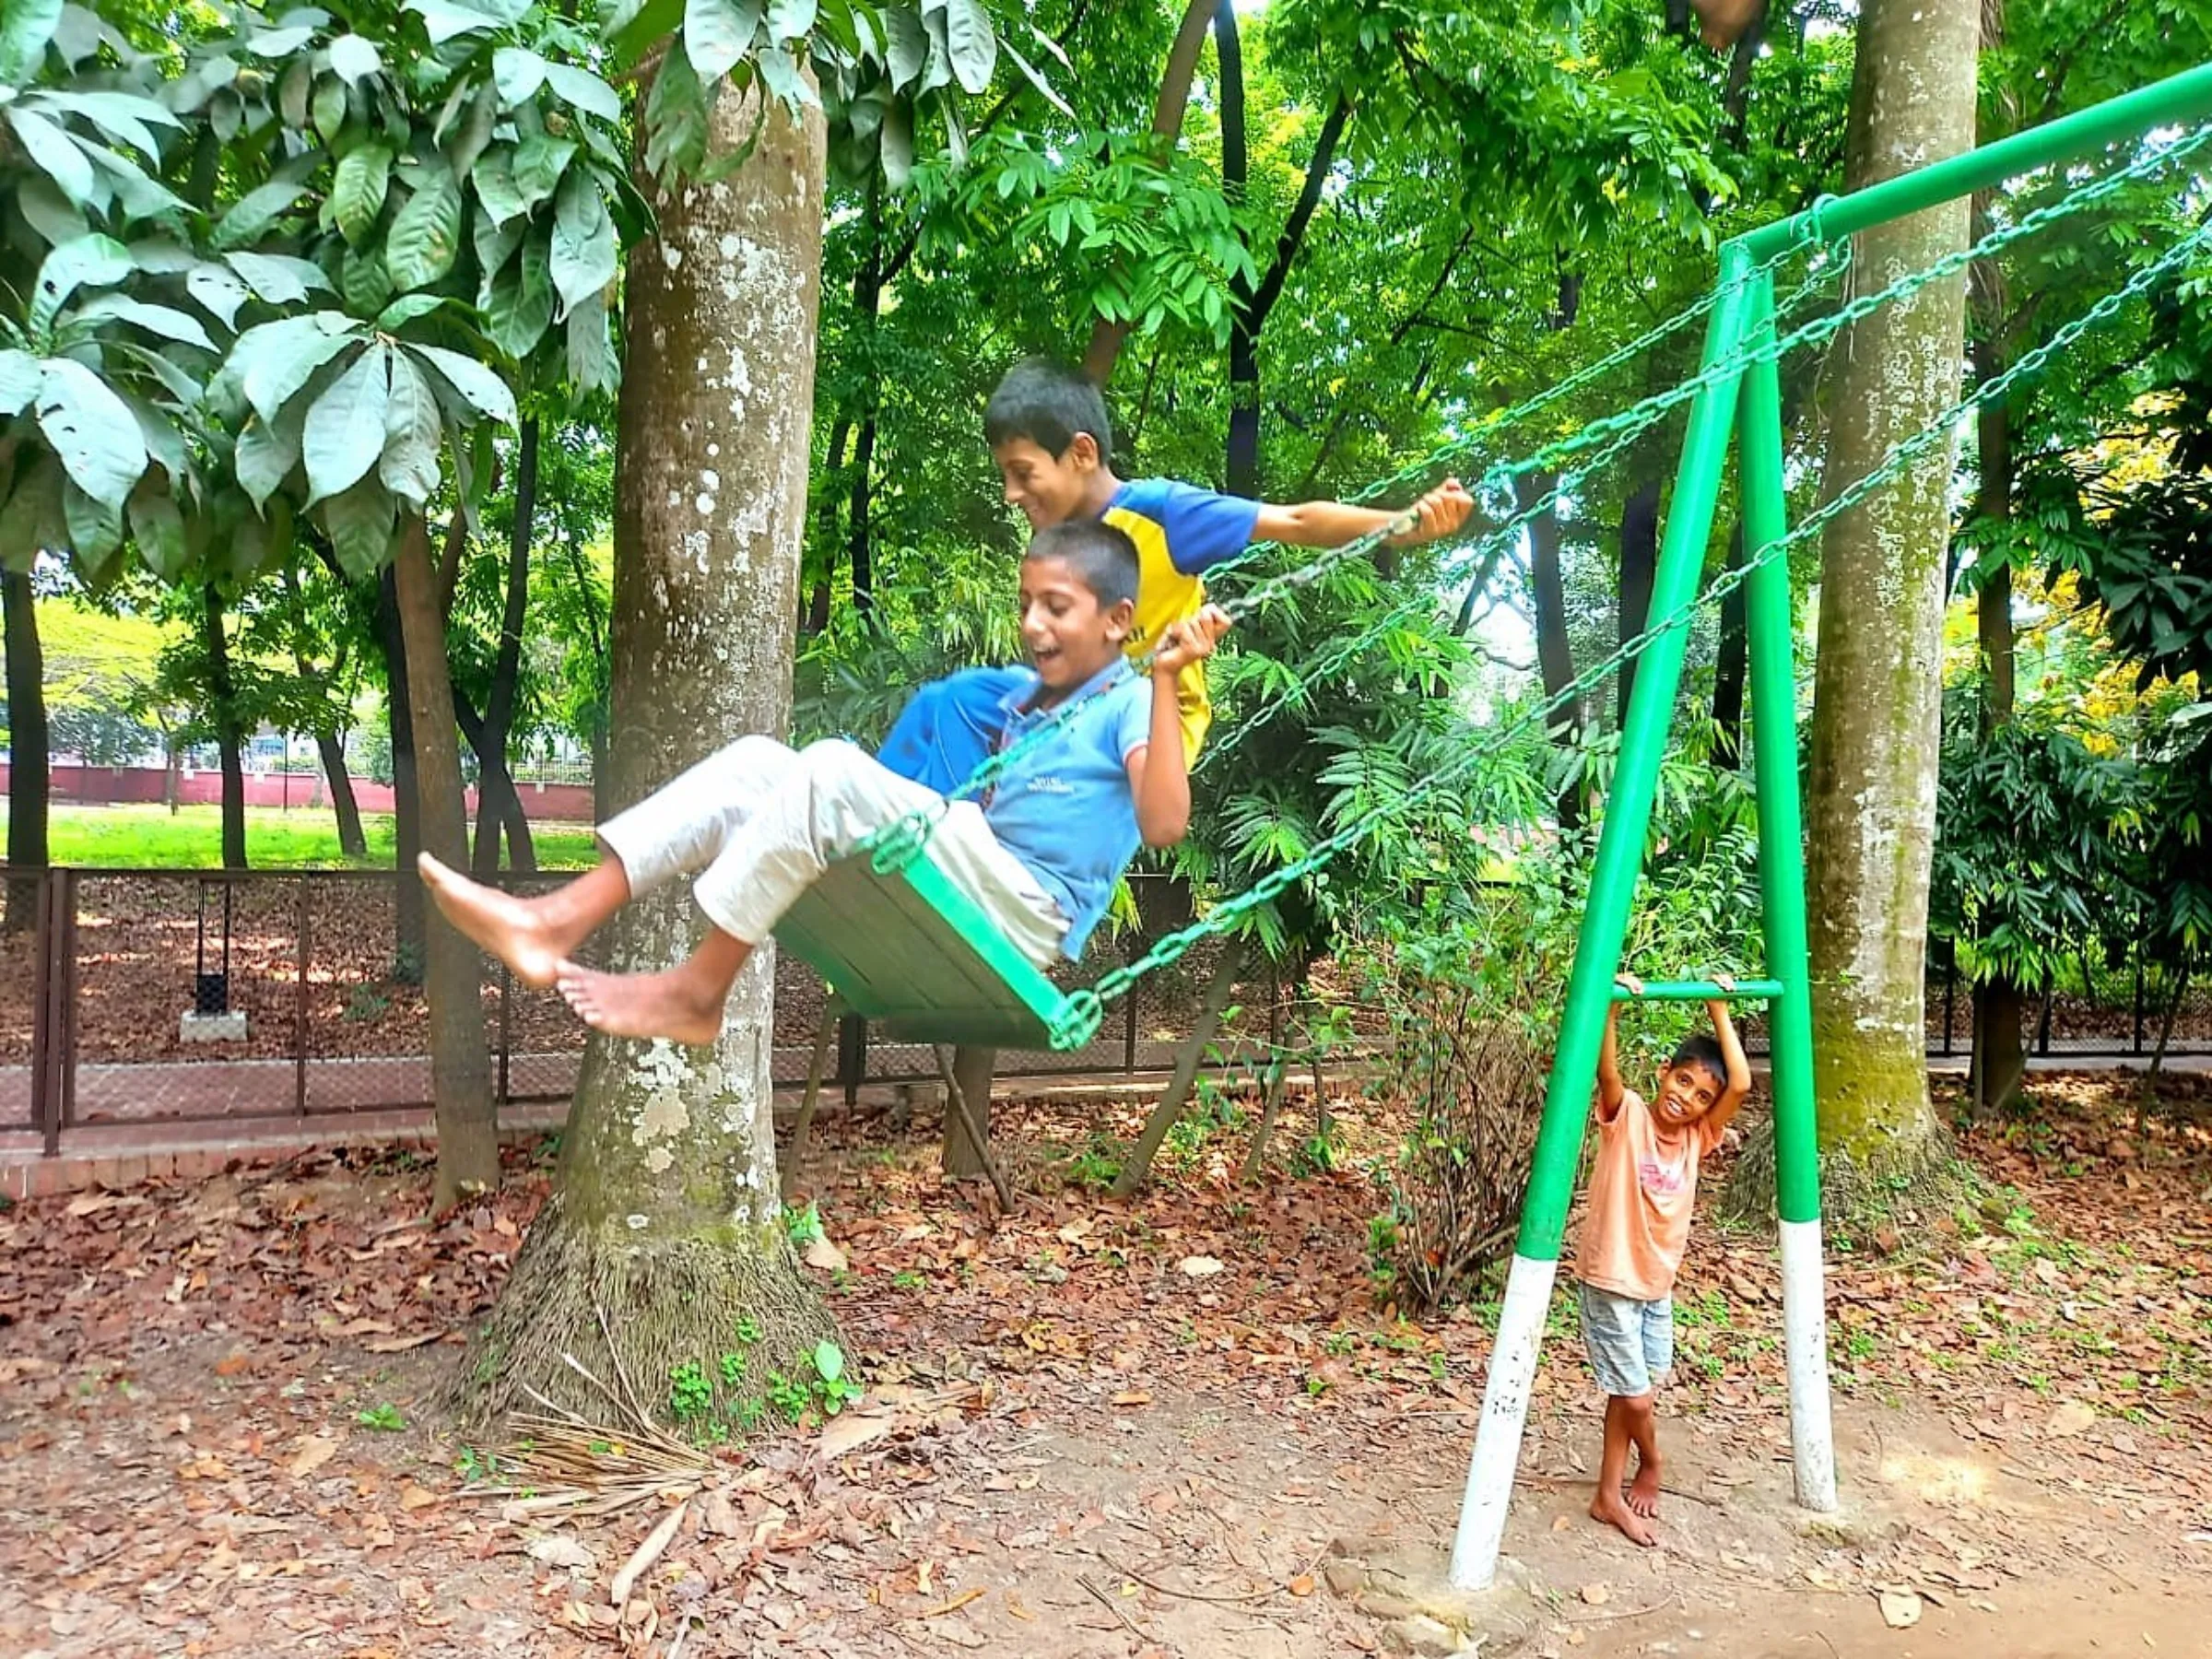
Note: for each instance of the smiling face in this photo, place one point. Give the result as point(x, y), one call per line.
point(1048, 488)
point(1070, 635)
point(1686, 1092)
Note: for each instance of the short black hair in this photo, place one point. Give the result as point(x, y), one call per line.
point(1048, 404)
point(1704, 1052)
point(1102, 556)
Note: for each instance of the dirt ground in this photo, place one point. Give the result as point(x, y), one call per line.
point(1178, 1427)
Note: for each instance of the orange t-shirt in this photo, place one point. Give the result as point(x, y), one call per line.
point(1641, 1187)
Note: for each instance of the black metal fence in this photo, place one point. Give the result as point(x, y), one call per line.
point(167, 996)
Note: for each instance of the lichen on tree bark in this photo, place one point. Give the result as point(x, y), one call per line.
point(666, 1215)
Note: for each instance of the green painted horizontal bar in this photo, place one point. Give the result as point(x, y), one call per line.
point(2180, 99)
point(1701, 991)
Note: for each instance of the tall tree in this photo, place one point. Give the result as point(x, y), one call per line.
point(662, 1227)
point(230, 727)
point(1870, 810)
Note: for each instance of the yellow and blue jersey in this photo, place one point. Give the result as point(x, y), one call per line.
point(1180, 532)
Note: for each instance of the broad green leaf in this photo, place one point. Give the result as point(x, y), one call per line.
point(278, 278)
point(127, 120)
point(718, 34)
point(273, 360)
point(495, 187)
point(55, 154)
point(829, 1361)
point(90, 431)
point(25, 27)
point(158, 256)
point(584, 253)
point(266, 452)
point(345, 431)
point(520, 306)
point(220, 290)
point(163, 320)
point(330, 110)
point(293, 90)
point(592, 363)
point(413, 436)
point(780, 74)
point(141, 197)
point(48, 211)
point(157, 530)
point(280, 42)
point(790, 19)
point(31, 520)
point(357, 193)
point(518, 73)
point(485, 391)
point(583, 91)
point(425, 233)
point(95, 529)
point(362, 279)
point(906, 45)
point(252, 215)
point(1038, 81)
point(407, 308)
point(971, 43)
point(898, 146)
point(164, 445)
point(189, 390)
point(18, 382)
point(360, 524)
point(352, 58)
point(89, 262)
point(538, 164)
point(446, 19)
point(494, 245)
point(676, 117)
point(469, 139)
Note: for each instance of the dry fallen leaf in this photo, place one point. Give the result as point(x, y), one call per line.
point(1301, 1585)
point(820, 1253)
point(414, 1497)
point(398, 1345)
point(850, 1430)
point(314, 1451)
point(2071, 1417)
point(1597, 1594)
point(1135, 1396)
point(1901, 1609)
point(557, 1549)
point(1200, 1266)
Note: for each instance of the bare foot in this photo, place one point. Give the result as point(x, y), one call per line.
point(1608, 1506)
point(501, 924)
point(1643, 1491)
point(641, 1004)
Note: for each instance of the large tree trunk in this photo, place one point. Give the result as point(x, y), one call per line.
point(468, 1144)
point(1877, 691)
point(229, 737)
point(971, 1069)
point(352, 842)
point(28, 758)
point(664, 1225)
point(1639, 565)
point(408, 905)
point(1730, 665)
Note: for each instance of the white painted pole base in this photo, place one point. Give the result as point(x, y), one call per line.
point(1805, 1337)
point(1497, 1433)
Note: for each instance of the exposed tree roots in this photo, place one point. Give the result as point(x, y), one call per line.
point(667, 1302)
point(1857, 1197)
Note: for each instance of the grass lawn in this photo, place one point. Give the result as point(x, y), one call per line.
point(151, 837)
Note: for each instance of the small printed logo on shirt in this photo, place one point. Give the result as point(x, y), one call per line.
point(1660, 1180)
point(1050, 785)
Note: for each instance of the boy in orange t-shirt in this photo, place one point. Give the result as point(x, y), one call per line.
point(1643, 1183)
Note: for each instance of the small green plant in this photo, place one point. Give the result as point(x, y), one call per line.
point(1437, 1368)
point(749, 1413)
point(1337, 1344)
point(1093, 1170)
point(690, 1396)
point(1317, 1385)
point(474, 1464)
point(835, 1388)
point(1861, 1345)
point(383, 1418)
point(804, 1226)
point(788, 1396)
point(365, 1004)
point(733, 1372)
point(748, 1329)
point(906, 1278)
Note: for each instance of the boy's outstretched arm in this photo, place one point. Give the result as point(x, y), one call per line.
point(1738, 1086)
point(1610, 1088)
point(1158, 773)
point(1331, 523)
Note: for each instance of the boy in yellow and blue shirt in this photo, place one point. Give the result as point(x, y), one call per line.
point(1048, 430)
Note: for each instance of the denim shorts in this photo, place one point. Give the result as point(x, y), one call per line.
point(1631, 1343)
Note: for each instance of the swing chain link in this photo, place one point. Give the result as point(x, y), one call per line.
point(1900, 456)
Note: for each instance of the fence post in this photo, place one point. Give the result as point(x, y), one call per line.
point(1950, 986)
point(2138, 947)
point(306, 887)
point(506, 1032)
point(1129, 1016)
point(45, 1097)
point(851, 1056)
point(65, 1010)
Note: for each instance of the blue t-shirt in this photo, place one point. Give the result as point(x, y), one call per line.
point(1063, 805)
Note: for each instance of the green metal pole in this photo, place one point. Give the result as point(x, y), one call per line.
point(1621, 849)
point(1657, 991)
point(1643, 737)
point(1769, 626)
point(2180, 99)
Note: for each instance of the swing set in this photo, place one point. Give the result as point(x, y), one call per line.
point(899, 945)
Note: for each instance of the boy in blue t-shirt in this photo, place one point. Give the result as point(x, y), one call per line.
point(1049, 433)
point(758, 823)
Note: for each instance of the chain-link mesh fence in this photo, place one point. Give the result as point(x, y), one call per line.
point(174, 996)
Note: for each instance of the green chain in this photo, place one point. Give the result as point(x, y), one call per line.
point(1901, 455)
